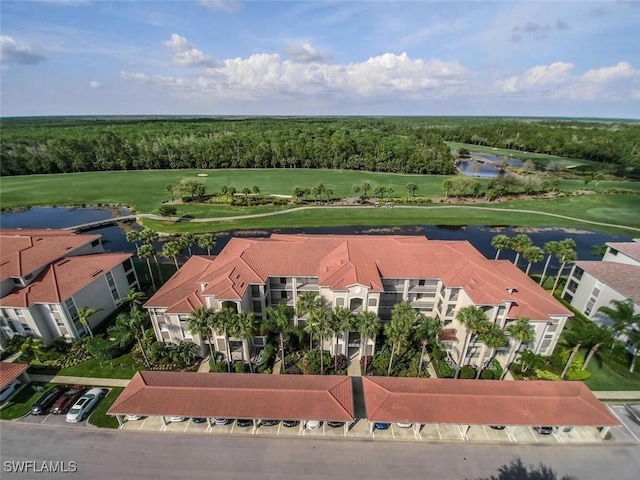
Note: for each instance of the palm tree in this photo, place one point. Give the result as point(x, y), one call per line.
point(306, 302)
point(519, 244)
point(318, 324)
point(187, 240)
point(623, 315)
point(566, 253)
point(533, 255)
point(493, 337)
point(529, 359)
point(172, 249)
point(475, 321)
point(412, 188)
point(133, 236)
point(184, 352)
point(341, 322)
point(206, 240)
point(131, 325)
point(366, 186)
point(244, 328)
point(150, 237)
point(523, 333)
point(146, 252)
point(500, 242)
point(633, 337)
point(599, 335)
point(223, 321)
point(199, 323)
point(574, 340)
point(399, 329)
point(83, 315)
point(356, 189)
point(279, 321)
point(427, 330)
point(133, 298)
point(368, 324)
point(32, 347)
point(550, 248)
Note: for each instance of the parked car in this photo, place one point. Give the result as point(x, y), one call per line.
point(497, 427)
point(133, 417)
point(381, 425)
point(335, 424)
point(175, 419)
point(9, 390)
point(244, 422)
point(313, 424)
point(404, 425)
point(42, 405)
point(269, 423)
point(82, 408)
point(290, 423)
point(199, 420)
point(544, 430)
point(68, 398)
point(220, 421)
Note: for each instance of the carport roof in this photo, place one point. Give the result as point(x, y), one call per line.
point(10, 371)
point(233, 395)
point(482, 402)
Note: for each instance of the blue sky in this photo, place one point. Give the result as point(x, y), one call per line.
point(220, 57)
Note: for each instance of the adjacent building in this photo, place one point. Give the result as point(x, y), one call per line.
point(47, 275)
point(362, 273)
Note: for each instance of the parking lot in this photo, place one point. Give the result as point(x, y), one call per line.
point(629, 417)
point(434, 433)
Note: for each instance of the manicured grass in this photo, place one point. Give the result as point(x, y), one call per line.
point(604, 378)
point(122, 368)
point(207, 211)
point(600, 208)
point(99, 417)
point(22, 402)
point(539, 158)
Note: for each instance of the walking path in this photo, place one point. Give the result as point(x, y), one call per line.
point(621, 395)
point(94, 382)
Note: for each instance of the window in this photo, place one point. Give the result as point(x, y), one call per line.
point(572, 286)
point(283, 295)
point(613, 251)
point(567, 296)
point(257, 306)
point(283, 280)
point(255, 291)
point(577, 273)
point(131, 277)
point(112, 287)
point(339, 301)
point(95, 243)
point(421, 283)
point(372, 302)
point(127, 265)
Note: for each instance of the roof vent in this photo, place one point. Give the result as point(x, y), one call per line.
point(96, 273)
point(511, 289)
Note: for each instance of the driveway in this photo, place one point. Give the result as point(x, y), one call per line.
point(629, 431)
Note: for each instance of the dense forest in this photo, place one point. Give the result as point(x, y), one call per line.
point(394, 144)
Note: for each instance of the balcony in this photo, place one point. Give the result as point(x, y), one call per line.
point(424, 289)
point(422, 304)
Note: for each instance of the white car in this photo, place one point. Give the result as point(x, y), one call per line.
point(9, 390)
point(81, 409)
point(313, 424)
point(132, 418)
point(404, 425)
point(175, 419)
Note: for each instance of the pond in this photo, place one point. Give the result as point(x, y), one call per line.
point(479, 236)
point(485, 165)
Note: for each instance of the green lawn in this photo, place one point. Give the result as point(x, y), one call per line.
point(603, 378)
point(99, 417)
point(21, 403)
point(122, 368)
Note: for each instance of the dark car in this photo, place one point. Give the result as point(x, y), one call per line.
point(335, 424)
point(244, 422)
point(269, 423)
point(497, 427)
point(382, 426)
point(544, 430)
point(67, 399)
point(42, 405)
point(290, 423)
point(199, 420)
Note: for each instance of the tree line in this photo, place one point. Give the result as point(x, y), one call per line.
point(403, 145)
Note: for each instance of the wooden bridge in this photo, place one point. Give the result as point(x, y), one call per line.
point(102, 223)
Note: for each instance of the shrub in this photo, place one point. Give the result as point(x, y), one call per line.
point(381, 362)
point(487, 374)
point(312, 361)
point(546, 375)
point(467, 372)
point(577, 374)
point(294, 370)
point(369, 360)
point(497, 368)
point(339, 363)
point(103, 349)
point(268, 356)
point(240, 367)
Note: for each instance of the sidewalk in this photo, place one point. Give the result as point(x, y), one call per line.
point(94, 382)
point(622, 395)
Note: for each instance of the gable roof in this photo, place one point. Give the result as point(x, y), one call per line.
point(26, 250)
point(231, 395)
point(10, 371)
point(623, 278)
point(482, 402)
point(340, 261)
point(630, 249)
point(63, 278)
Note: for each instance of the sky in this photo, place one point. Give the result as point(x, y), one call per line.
point(223, 57)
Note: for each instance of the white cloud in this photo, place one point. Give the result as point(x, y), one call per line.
point(536, 77)
point(607, 74)
point(12, 52)
point(306, 53)
point(161, 80)
point(94, 84)
point(185, 54)
point(223, 5)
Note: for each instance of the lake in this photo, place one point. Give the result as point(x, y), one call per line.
point(485, 165)
point(479, 236)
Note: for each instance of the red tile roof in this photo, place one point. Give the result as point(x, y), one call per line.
point(24, 251)
point(10, 371)
point(232, 395)
point(631, 249)
point(340, 261)
point(63, 278)
point(482, 402)
point(623, 278)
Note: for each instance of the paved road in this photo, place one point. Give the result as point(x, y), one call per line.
point(116, 454)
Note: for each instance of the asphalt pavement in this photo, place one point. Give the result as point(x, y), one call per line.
point(107, 454)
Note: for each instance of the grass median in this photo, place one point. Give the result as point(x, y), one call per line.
point(99, 417)
point(21, 403)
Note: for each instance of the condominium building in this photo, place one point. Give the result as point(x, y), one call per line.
point(47, 275)
point(361, 273)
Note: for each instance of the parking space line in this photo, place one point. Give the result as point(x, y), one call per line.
point(186, 425)
point(439, 434)
point(45, 419)
point(393, 435)
point(486, 434)
point(623, 424)
point(512, 438)
point(558, 439)
point(142, 424)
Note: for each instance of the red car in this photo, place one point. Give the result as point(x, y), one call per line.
point(68, 398)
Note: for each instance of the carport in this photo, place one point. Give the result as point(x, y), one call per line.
point(237, 396)
point(13, 371)
point(453, 407)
